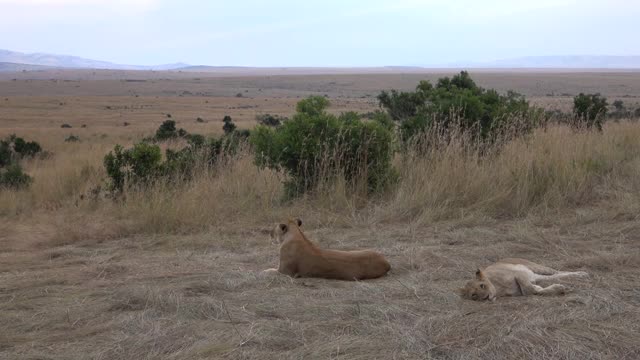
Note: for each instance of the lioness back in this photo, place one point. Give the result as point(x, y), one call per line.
point(301, 257)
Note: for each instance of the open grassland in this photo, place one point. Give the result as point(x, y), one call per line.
point(174, 272)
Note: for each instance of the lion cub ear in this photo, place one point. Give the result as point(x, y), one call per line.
point(479, 274)
point(284, 228)
point(299, 222)
point(460, 291)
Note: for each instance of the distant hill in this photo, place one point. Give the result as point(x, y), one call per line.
point(73, 62)
point(13, 67)
point(567, 62)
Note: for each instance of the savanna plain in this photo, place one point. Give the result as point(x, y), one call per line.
point(173, 272)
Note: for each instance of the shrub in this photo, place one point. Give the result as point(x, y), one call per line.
point(200, 120)
point(6, 154)
point(618, 105)
point(312, 106)
point(25, 148)
point(269, 120)
point(589, 110)
point(314, 146)
point(228, 126)
point(66, 126)
point(138, 164)
point(13, 177)
point(637, 113)
point(239, 95)
point(167, 131)
point(458, 104)
point(72, 138)
point(143, 163)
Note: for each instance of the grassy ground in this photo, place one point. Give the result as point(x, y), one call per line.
point(175, 273)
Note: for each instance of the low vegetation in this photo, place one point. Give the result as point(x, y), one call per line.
point(314, 147)
point(165, 261)
point(12, 151)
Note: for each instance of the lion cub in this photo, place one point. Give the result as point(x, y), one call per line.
point(514, 277)
point(299, 257)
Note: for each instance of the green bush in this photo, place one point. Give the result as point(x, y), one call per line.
point(12, 177)
point(25, 148)
point(458, 104)
point(6, 153)
point(228, 126)
point(589, 110)
point(312, 106)
point(270, 120)
point(12, 150)
point(141, 163)
point(618, 105)
point(72, 138)
point(168, 131)
point(314, 146)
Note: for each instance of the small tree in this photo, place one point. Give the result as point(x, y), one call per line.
point(618, 105)
point(12, 177)
point(458, 104)
point(314, 146)
point(167, 130)
point(228, 126)
point(269, 120)
point(589, 110)
point(312, 106)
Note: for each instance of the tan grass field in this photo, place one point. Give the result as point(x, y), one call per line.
point(174, 273)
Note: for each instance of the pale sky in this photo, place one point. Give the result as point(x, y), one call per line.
point(319, 33)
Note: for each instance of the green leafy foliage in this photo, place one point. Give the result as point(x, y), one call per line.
point(618, 105)
point(458, 104)
point(590, 110)
point(312, 106)
point(228, 126)
point(270, 120)
point(143, 164)
point(13, 177)
point(12, 150)
point(314, 146)
point(168, 131)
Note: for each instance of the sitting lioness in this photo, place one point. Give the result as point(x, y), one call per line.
point(514, 277)
point(299, 257)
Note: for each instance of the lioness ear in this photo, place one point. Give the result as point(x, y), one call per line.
point(283, 227)
point(479, 274)
point(299, 222)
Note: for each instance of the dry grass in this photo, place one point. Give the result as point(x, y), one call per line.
point(174, 273)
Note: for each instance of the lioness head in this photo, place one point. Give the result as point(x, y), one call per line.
point(478, 289)
point(278, 232)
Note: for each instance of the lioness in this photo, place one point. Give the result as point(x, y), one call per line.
point(514, 277)
point(299, 257)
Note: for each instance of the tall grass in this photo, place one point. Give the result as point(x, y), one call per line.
point(552, 169)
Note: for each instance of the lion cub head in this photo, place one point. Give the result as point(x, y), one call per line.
point(478, 289)
point(280, 230)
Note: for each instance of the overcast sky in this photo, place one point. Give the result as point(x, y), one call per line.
point(319, 33)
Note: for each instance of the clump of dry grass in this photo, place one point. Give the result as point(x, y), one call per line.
point(552, 169)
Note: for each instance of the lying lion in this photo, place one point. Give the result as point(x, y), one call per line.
point(514, 277)
point(299, 257)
